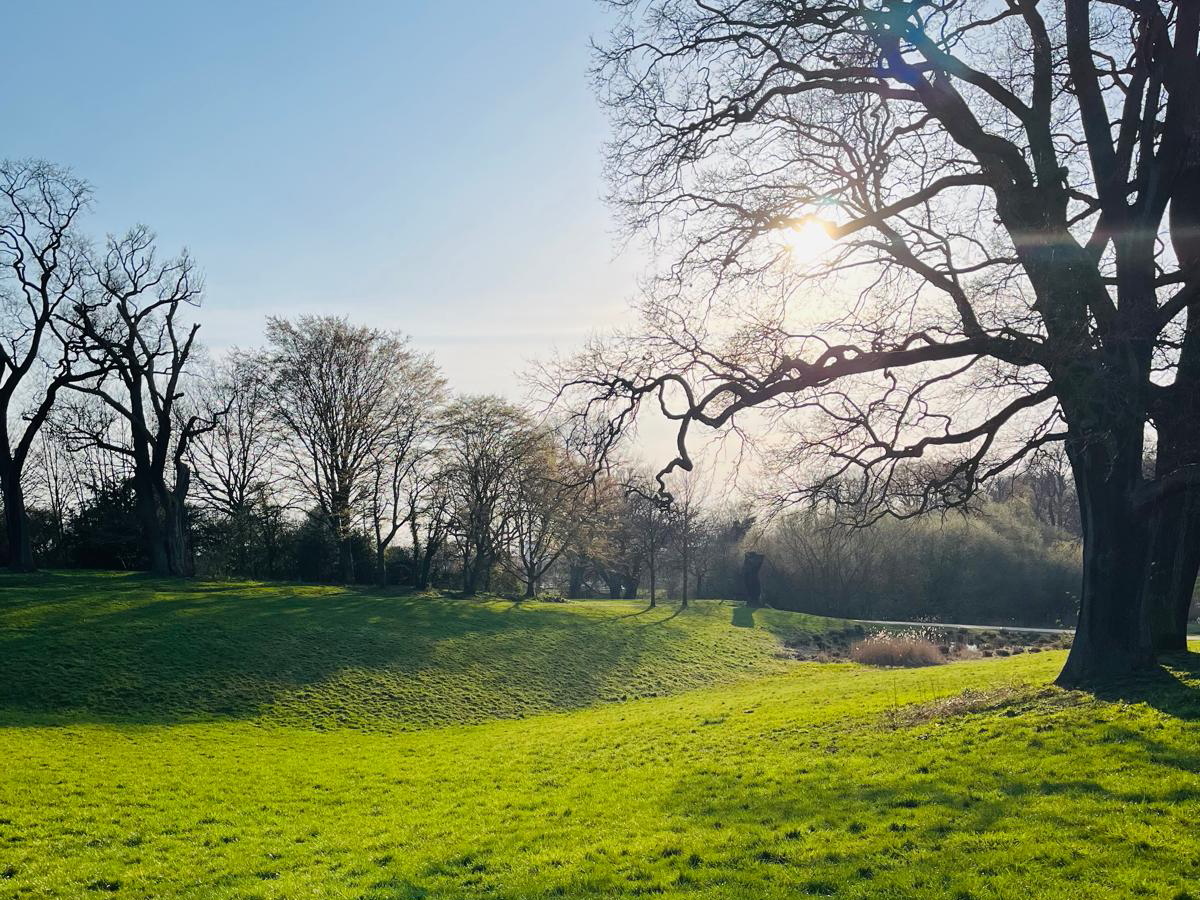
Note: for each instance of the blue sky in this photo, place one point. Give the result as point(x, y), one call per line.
point(426, 166)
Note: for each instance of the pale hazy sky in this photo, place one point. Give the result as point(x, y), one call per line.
point(428, 166)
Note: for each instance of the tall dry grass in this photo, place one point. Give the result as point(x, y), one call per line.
point(906, 648)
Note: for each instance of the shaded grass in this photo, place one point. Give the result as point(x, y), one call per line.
point(126, 648)
point(818, 780)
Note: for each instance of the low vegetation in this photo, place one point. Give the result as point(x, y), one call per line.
point(910, 649)
point(164, 739)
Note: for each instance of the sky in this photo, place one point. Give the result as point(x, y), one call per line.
point(425, 166)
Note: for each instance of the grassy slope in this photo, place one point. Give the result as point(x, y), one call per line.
point(125, 648)
point(823, 780)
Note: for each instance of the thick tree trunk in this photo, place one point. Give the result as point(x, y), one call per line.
point(381, 566)
point(1112, 637)
point(1174, 562)
point(683, 579)
point(175, 535)
point(474, 575)
point(575, 581)
point(16, 521)
point(426, 568)
point(1175, 522)
point(630, 590)
point(752, 564)
point(530, 589)
point(346, 560)
point(150, 520)
point(653, 578)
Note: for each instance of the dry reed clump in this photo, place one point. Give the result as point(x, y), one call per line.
point(905, 648)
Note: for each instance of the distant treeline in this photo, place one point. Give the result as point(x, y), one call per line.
point(1000, 565)
point(338, 453)
point(1015, 559)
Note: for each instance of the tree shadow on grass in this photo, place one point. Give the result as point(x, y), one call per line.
point(675, 612)
point(743, 616)
point(1172, 689)
point(823, 804)
point(132, 649)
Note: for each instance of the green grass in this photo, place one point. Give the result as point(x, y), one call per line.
point(752, 777)
point(126, 648)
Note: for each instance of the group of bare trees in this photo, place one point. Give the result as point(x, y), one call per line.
point(1009, 193)
point(129, 439)
point(356, 430)
point(94, 350)
point(116, 423)
point(632, 541)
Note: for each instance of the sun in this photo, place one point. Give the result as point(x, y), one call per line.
point(808, 240)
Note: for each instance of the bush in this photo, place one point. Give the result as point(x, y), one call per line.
point(909, 649)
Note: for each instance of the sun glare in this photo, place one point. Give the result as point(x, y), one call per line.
point(808, 240)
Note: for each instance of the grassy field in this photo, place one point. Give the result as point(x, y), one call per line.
point(219, 740)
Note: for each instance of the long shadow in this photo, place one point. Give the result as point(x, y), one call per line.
point(1173, 688)
point(743, 616)
point(129, 648)
point(676, 611)
point(883, 797)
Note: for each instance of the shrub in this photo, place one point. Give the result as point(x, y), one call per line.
point(908, 648)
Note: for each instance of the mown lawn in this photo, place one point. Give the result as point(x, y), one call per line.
point(126, 648)
point(753, 777)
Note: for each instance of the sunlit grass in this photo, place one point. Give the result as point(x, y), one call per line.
point(802, 780)
point(126, 648)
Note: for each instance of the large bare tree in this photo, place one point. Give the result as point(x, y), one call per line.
point(135, 331)
point(1011, 194)
point(351, 401)
point(233, 462)
point(42, 270)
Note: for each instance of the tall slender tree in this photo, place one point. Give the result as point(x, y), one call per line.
point(542, 512)
point(234, 464)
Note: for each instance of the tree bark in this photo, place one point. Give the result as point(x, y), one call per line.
point(683, 579)
point(146, 508)
point(346, 560)
point(426, 570)
point(473, 574)
point(1173, 566)
point(174, 507)
point(175, 534)
point(752, 577)
point(653, 577)
point(380, 566)
point(1113, 635)
point(575, 581)
point(16, 521)
point(615, 585)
